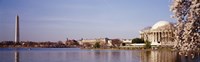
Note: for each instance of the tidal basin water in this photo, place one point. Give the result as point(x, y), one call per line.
point(86, 55)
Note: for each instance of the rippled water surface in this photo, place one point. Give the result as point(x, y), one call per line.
point(84, 55)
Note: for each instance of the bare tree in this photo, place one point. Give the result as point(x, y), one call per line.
point(187, 14)
point(116, 43)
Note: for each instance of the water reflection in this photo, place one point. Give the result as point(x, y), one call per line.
point(16, 56)
point(192, 57)
point(114, 55)
point(167, 56)
point(79, 55)
point(158, 56)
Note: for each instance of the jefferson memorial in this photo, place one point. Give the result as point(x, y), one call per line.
point(160, 34)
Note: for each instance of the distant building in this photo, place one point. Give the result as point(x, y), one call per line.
point(161, 33)
point(126, 42)
point(91, 42)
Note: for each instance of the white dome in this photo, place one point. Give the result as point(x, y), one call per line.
point(160, 24)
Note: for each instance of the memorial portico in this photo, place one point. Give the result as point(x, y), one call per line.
point(160, 33)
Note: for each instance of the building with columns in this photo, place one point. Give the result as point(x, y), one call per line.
point(160, 34)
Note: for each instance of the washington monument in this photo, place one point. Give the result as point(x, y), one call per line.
point(17, 36)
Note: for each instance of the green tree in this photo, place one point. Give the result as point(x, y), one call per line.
point(147, 45)
point(137, 40)
point(97, 45)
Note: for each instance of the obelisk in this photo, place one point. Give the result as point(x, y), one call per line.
point(17, 36)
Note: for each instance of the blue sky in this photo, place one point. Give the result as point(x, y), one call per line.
point(54, 20)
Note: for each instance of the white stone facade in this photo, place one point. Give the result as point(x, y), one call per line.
point(126, 40)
